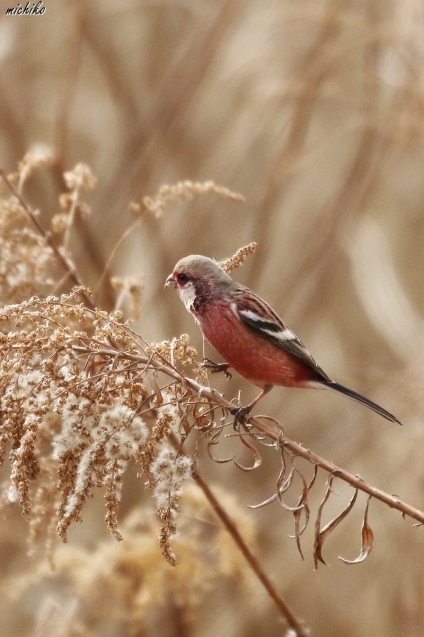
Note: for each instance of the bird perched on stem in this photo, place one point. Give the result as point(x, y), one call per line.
point(249, 335)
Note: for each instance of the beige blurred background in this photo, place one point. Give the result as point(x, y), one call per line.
point(314, 112)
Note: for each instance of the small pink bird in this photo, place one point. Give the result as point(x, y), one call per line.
point(249, 335)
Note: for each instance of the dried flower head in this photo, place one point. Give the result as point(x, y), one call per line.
point(239, 258)
point(39, 156)
point(80, 178)
point(183, 190)
point(130, 292)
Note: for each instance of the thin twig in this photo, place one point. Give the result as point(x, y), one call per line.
point(112, 255)
point(276, 435)
point(67, 265)
point(294, 623)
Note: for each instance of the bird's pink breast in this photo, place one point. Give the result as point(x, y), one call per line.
point(255, 358)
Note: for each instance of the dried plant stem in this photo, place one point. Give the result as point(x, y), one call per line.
point(276, 435)
point(71, 69)
point(294, 623)
point(68, 266)
point(128, 232)
point(354, 480)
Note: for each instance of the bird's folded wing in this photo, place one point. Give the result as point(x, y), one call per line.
point(258, 317)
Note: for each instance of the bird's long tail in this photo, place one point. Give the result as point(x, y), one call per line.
point(341, 389)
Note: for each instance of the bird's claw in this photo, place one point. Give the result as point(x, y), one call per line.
point(215, 368)
point(240, 414)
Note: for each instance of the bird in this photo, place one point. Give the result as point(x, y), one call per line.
point(249, 335)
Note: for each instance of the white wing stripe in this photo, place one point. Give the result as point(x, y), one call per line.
point(247, 313)
point(284, 335)
point(279, 334)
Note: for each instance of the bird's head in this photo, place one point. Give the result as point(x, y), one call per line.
point(197, 276)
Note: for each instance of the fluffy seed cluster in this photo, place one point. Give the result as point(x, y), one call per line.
point(75, 393)
point(83, 395)
point(26, 262)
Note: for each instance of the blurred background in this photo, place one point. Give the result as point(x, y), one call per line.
point(314, 112)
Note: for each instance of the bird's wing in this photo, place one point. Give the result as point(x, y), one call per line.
point(261, 319)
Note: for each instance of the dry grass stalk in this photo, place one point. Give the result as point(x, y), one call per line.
point(83, 396)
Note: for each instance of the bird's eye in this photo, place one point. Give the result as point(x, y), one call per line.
point(182, 278)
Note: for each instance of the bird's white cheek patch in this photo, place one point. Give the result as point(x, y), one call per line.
point(188, 295)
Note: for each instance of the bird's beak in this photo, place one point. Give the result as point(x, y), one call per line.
point(170, 280)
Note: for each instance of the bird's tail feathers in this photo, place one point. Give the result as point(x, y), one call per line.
point(341, 389)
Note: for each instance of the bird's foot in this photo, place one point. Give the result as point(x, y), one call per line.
point(215, 368)
point(240, 414)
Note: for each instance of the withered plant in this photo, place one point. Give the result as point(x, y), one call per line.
point(83, 396)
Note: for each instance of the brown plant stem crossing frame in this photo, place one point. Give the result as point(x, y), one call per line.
point(69, 268)
point(279, 439)
point(298, 626)
point(277, 436)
